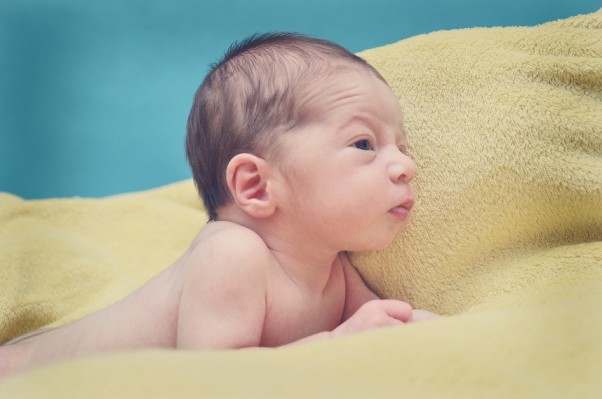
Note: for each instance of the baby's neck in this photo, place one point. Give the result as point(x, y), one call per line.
point(308, 267)
point(307, 263)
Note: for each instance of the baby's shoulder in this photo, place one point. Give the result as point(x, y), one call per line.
point(228, 242)
point(228, 232)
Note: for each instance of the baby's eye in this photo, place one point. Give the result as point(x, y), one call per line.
point(403, 149)
point(363, 145)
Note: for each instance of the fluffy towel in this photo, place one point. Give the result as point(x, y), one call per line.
point(505, 126)
point(61, 259)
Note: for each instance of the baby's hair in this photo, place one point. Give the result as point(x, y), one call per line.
point(256, 92)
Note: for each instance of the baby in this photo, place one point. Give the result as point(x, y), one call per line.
point(298, 150)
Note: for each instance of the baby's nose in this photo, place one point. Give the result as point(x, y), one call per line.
point(402, 169)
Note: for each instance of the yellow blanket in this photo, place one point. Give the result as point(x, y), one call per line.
point(505, 125)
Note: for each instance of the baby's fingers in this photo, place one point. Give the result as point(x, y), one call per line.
point(398, 310)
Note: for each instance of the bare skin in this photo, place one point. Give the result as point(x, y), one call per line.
point(273, 270)
point(166, 313)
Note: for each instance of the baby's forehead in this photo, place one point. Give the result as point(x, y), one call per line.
point(371, 108)
point(357, 96)
point(330, 87)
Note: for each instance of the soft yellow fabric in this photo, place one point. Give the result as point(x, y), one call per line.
point(63, 258)
point(505, 125)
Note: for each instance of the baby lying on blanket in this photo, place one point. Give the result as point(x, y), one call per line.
point(298, 150)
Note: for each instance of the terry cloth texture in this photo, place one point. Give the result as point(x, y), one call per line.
point(505, 125)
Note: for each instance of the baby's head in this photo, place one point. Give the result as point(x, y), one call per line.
point(261, 89)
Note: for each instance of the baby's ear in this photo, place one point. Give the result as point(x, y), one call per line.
point(248, 180)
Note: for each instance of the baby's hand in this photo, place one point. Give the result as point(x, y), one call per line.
point(375, 314)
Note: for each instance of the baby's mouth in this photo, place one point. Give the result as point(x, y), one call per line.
point(403, 210)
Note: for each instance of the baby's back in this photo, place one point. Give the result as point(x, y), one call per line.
point(145, 318)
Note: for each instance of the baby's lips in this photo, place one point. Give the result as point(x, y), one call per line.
point(402, 211)
point(408, 203)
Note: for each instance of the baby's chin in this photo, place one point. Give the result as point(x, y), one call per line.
point(392, 239)
point(379, 242)
point(378, 245)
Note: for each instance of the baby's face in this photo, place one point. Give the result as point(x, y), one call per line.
point(347, 173)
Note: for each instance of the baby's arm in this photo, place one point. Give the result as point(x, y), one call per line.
point(363, 309)
point(222, 303)
point(358, 294)
point(356, 291)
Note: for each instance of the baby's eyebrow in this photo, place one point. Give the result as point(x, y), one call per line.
point(365, 119)
point(376, 124)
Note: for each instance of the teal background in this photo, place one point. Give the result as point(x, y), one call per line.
point(94, 95)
